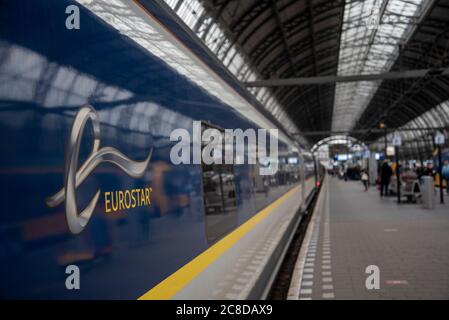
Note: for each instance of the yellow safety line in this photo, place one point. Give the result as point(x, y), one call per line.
point(179, 279)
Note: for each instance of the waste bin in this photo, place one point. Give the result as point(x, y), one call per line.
point(428, 192)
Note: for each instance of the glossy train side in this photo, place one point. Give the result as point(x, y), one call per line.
point(143, 76)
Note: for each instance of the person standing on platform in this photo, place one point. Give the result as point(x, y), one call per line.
point(365, 179)
point(385, 176)
point(445, 173)
point(429, 171)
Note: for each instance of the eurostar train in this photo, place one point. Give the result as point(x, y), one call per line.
point(92, 206)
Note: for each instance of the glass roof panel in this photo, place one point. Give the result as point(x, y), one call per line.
point(372, 33)
point(437, 117)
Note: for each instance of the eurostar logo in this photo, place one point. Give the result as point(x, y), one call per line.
point(73, 178)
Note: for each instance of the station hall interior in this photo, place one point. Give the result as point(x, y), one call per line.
point(347, 198)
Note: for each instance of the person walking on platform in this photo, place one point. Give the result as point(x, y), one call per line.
point(365, 179)
point(385, 176)
point(445, 174)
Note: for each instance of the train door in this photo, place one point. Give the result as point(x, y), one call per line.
point(219, 195)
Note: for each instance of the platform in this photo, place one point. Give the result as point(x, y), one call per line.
point(352, 229)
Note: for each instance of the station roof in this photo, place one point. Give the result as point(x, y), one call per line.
point(405, 43)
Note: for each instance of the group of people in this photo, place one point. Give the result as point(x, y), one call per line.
point(386, 172)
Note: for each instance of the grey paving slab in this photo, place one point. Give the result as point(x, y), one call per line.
point(409, 245)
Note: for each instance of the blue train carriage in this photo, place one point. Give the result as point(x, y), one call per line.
point(91, 204)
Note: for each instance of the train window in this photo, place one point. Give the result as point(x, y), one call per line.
point(219, 196)
point(271, 187)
